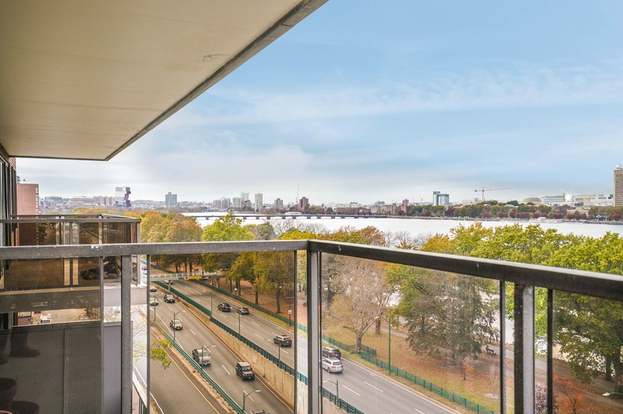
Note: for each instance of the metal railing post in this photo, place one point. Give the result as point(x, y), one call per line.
point(524, 349)
point(126, 335)
point(313, 332)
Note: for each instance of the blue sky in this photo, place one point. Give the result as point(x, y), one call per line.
point(370, 100)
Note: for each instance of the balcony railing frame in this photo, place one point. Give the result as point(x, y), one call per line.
point(524, 277)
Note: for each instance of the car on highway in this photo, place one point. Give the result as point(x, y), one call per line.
point(331, 352)
point(224, 307)
point(244, 371)
point(153, 289)
point(202, 356)
point(153, 302)
point(332, 365)
point(283, 341)
point(176, 324)
point(243, 310)
point(168, 298)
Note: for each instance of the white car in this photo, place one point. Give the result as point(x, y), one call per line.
point(332, 365)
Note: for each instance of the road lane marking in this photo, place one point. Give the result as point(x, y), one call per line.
point(226, 370)
point(351, 390)
point(193, 332)
point(374, 386)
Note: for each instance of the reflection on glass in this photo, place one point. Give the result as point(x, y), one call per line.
point(437, 332)
point(231, 316)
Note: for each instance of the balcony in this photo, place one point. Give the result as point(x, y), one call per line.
point(504, 319)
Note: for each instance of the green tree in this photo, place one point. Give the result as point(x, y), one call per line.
point(448, 315)
point(589, 330)
point(227, 228)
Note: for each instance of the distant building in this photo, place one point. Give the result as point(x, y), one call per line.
point(404, 206)
point(221, 204)
point(533, 200)
point(556, 200)
point(244, 197)
point(303, 204)
point(593, 200)
point(618, 186)
point(236, 203)
point(278, 204)
point(27, 199)
point(122, 197)
point(441, 199)
point(259, 201)
point(170, 200)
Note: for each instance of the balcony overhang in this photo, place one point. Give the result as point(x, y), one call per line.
point(83, 80)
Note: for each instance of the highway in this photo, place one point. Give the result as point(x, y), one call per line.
point(361, 386)
point(175, 392)
point(196, 334)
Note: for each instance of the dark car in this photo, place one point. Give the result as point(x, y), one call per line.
point(243, 310)
point(283, 341)
point(224, 307)
point(331, 352)
point(168, 298)
point(244, 371)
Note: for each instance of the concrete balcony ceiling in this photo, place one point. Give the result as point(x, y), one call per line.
point(84, 79)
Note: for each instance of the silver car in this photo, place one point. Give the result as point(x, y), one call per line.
point(332, 365)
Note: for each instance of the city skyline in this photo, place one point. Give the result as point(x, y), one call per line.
point(456, 105)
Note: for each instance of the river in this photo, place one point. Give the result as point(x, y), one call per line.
point(420, 228)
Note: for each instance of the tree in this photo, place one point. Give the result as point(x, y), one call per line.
point(276, 271)
point(589, 330)
point(447, 315)
point(364, 296)
point(226, 228)
point(164, 227)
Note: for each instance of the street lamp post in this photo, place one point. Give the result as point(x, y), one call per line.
point(244, 398)
point(238, 321)
point(173, 327)
point(337, 387)
point(389, 343)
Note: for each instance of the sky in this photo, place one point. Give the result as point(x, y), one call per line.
point(368, 100)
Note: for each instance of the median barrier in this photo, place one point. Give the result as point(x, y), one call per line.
point(221, 392)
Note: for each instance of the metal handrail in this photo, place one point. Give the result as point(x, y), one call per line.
point(602, 285)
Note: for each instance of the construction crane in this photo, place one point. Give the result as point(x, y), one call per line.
point(483, 190)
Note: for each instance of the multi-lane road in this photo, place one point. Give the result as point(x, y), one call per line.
point(361, 386)
point(196, 334)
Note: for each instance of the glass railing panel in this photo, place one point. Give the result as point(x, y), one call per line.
point(229, 318)
point(117, 232)
point(139, 312)
point(50, 339)
point(587, 368)
point(399, 338)
point(300, 327)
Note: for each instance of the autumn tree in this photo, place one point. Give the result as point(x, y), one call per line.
point(364, 295)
